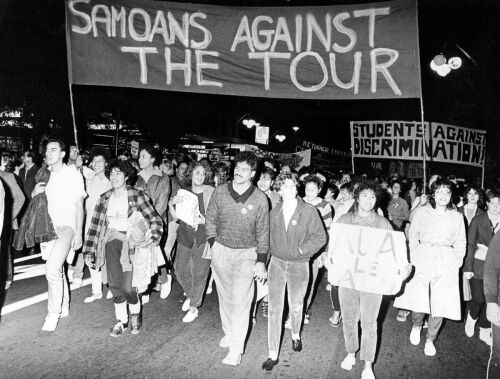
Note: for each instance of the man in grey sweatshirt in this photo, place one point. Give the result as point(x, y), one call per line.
point(237, 227)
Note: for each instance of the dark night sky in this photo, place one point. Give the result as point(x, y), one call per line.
point(34, 72)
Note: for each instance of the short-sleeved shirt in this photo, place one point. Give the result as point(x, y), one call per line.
point(64, 189)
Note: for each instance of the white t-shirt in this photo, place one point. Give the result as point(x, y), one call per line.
point(288, 212)
point(117, 212)
point(64, 189)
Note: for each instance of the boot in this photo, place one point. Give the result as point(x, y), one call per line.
point(135, 323)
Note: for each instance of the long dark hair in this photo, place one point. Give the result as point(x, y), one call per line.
point(481, 201)
point(442, 183)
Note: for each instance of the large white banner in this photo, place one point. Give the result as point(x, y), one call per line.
point(404, 140)
point(366, 259)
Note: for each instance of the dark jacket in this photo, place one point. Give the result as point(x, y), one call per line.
point(158, 189)
point(36, 225)
point(480, 231)
point(28, 179)
point(462, 211)
point(305, 235)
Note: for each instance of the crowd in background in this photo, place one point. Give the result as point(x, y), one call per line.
point(129, 236)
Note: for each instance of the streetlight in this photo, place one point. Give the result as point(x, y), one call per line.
point(443, 66)
point(295, 128)
point(250, 123)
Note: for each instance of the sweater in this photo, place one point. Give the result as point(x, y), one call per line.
point(373, 220)
point(479, 233)
point(239, 225)
point(491, 274)
point(303, 238)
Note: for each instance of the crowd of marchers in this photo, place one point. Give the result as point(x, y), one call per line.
point(259, 232)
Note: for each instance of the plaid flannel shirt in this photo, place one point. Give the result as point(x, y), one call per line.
point(137, 200)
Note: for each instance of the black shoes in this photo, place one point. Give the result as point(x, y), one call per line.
point(269, 364)
point(297, 345)
point(135, 323)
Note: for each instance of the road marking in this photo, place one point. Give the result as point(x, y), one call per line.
point(27, 258)
point(35, 299)
point(28, 271)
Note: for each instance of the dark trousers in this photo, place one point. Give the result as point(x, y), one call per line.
point(334, 297)
point(494, 363)
point(6, 254)
point(477, 305)
point(191, 271)
point(119, 282)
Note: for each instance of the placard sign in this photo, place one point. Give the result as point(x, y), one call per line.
point(404, 140)
point(366, 259)
point(356, 51)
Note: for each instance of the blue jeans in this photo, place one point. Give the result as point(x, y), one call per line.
point(357, 305)
point(294, 276)
point(54, 271)
point(434, 324)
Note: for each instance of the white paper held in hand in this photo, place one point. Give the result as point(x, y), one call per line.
point(187, 208)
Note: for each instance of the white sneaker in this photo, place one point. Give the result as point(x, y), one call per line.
point(109, 295)
point(93, 297)
point(145, 299)
point(166, 287)
point(186, 305)
point(77, 283)
point(191, 315)
point(429, 348)
point(232, 359)
point(348, 362)
point(470, 325)
point(50, 323)
point(485, 336)
point(415, 335)
point(224, 342)
point(64, 313)
point(367, 373)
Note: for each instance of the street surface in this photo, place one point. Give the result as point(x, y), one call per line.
point(169, 348)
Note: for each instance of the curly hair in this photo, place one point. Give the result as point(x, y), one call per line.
point(280, 180)
point(122, 166)
point(313, 178)
point(99, 151)
point(201, 163)
point(439, 183)
point(481, 202)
